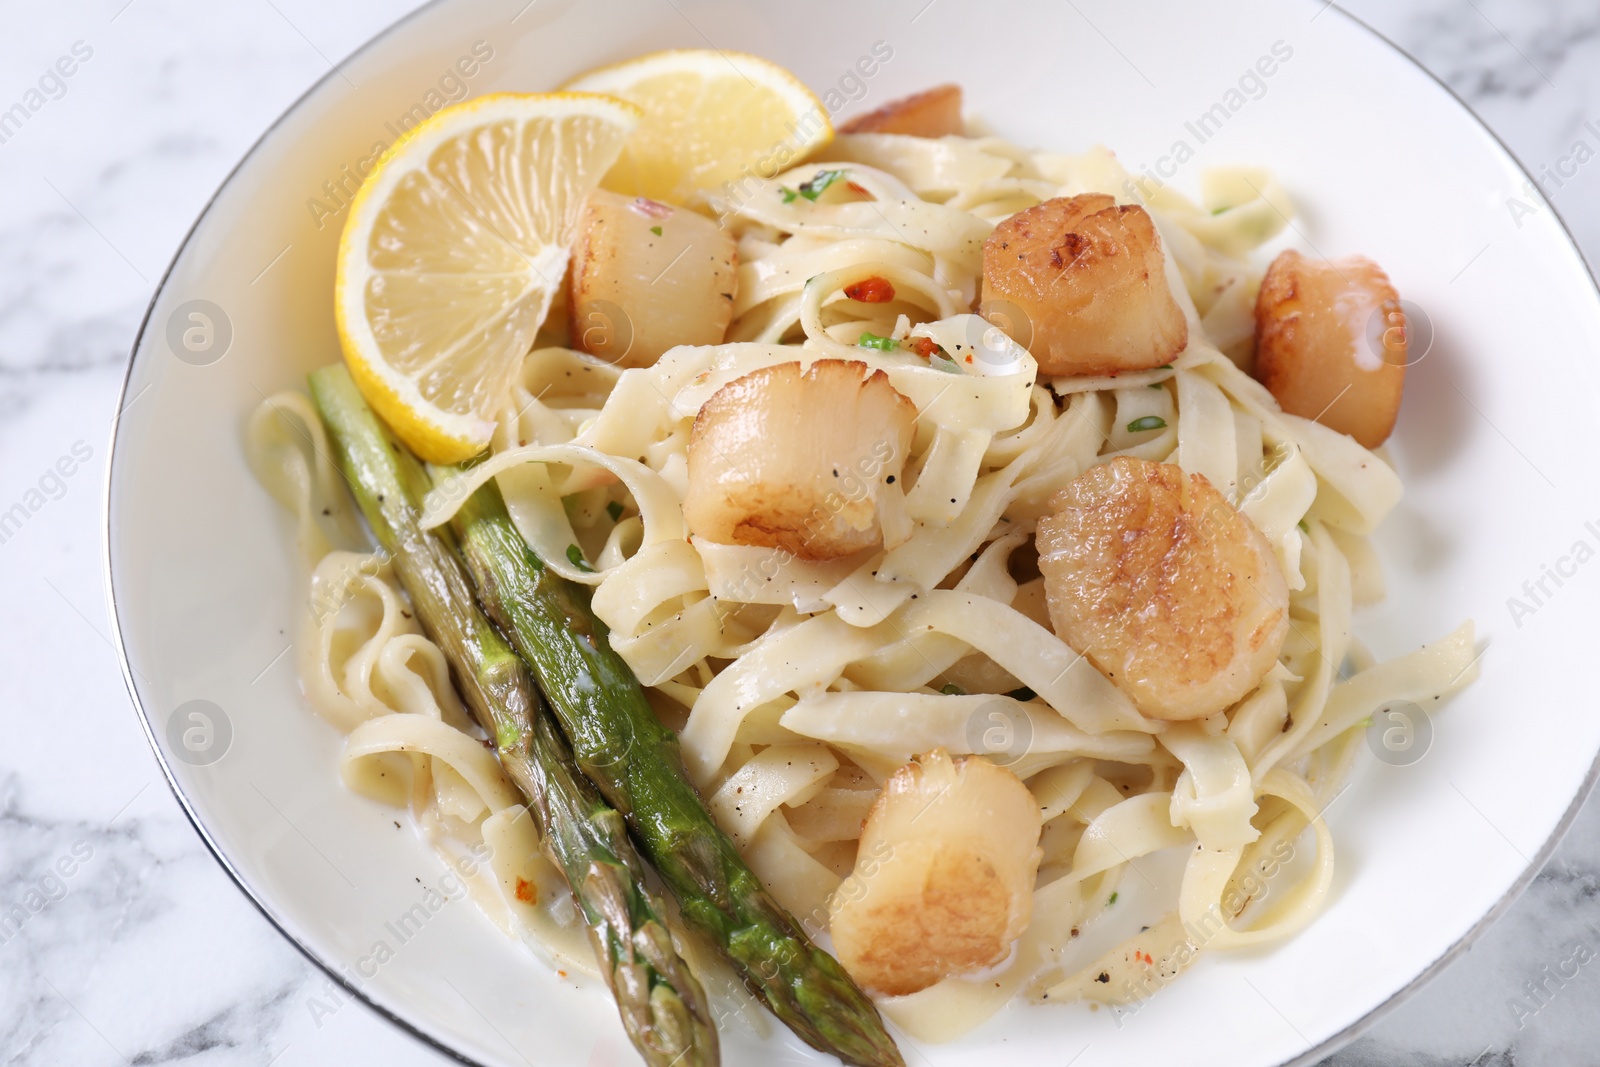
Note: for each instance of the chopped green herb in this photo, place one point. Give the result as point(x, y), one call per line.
point(872, 340)
point(788, 194)
point(1024, 694)
point(656, 230)
point(1303, 526)
point(1113, 900)
point(1218, 210)
point(575, 557)
point(614, 509)
point(1157, 385)
point(952, 690)
point(819, 182)
point(1149, 422)
point(1165, 366)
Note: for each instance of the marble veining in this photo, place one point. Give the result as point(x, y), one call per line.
point(121, 939)
point(1486, 50)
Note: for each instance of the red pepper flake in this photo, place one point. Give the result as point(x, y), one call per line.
point(858, 189)
point(872, 290)
point(650, 209)
point(923, 346)
point(969, 359)
point(527, 892)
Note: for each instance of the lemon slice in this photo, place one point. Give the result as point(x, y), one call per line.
point(711, 118)
point(453, 249)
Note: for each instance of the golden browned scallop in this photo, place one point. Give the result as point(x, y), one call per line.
point(798, 460)
point(933, 112)
point(944, 876)
point(1164, 586)
point(1331, 343)
point(646, 277)
point(1088, 276)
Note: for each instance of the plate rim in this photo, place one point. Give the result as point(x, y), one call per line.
point(1313, 1055)
point(328, 970)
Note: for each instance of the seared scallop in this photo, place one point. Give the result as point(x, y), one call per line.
point(798, 460)
point(1089, 277)
point(646, 277)
point(944, 876)
point(1331, 343)
point(933, 112)
point(1172, 593)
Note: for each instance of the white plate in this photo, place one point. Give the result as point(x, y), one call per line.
point(1382, 160)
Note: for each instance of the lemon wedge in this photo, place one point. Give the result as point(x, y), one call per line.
point(453, 249)
point(710, 119)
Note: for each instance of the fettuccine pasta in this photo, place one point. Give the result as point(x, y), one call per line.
point(800, 686)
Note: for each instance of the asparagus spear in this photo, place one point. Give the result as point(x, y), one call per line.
point(622, 746)
point(663, 1007)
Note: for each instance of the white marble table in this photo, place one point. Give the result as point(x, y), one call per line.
point(145, 952)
